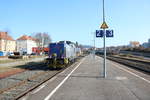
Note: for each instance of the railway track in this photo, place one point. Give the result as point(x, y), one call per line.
point(143, 65)
point(22, 86)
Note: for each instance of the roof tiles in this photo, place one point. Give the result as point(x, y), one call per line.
point(5, 36)
point(25, 37)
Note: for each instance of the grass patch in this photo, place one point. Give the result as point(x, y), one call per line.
point(14, 60)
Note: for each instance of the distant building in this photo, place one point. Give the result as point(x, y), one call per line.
point(134, 44)
point(146, 44)
point(25, 44)
point(149, 43)
point(7, 43)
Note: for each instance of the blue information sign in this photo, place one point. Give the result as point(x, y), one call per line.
point(109, 33)
point(99, 33)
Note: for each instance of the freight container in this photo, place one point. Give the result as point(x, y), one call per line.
point(38, 50)
point(1, 53)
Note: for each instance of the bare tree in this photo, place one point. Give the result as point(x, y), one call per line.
point(77, 44)
point(43, 39)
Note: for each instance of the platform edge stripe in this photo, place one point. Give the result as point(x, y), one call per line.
point(56, 88)
point(131, 73)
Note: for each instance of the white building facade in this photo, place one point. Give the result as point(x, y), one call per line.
point(25, 44)
point(134, 44)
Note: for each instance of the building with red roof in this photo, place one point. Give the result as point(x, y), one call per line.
point(7, 43)
point(25, 44)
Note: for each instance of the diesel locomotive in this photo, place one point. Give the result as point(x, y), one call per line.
point(62, 53)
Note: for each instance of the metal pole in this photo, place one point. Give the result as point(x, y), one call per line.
point(103, 11)
point(94, 44)
point(104, 66)
point(93, 52)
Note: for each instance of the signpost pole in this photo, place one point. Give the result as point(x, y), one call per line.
point(94, 44)
point(93, 51)
point(104, 33)
point(104, 66)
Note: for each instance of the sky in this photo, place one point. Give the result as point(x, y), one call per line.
point(77, 20)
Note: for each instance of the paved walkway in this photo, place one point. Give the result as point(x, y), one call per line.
point(85, 82)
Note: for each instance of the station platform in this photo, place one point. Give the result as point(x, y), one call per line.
point(85, 82)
